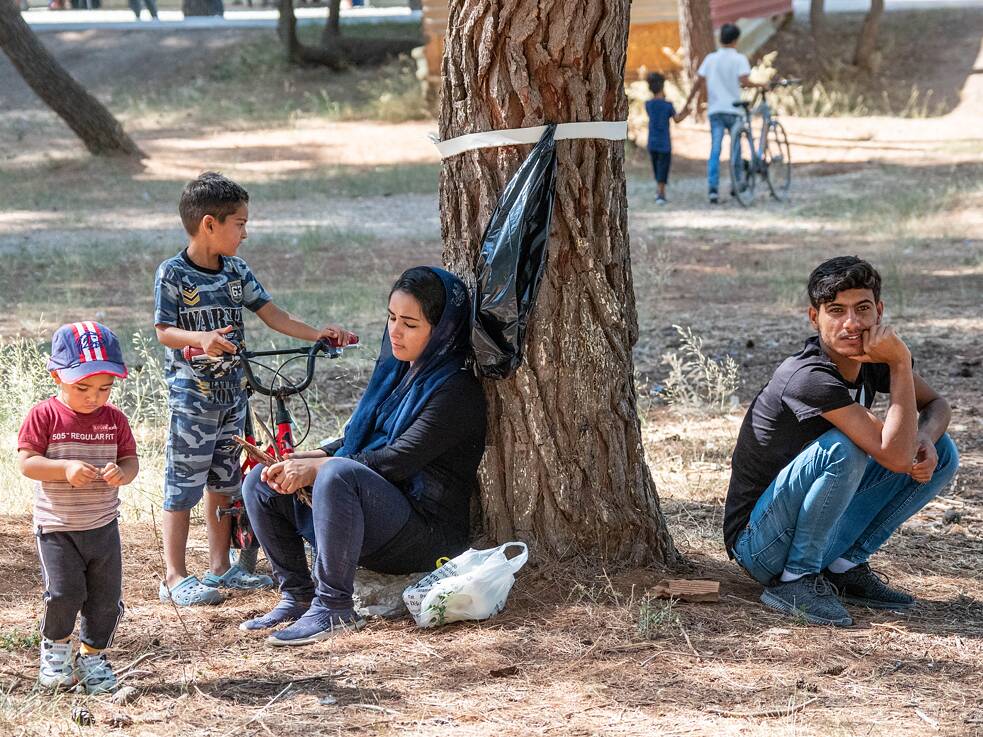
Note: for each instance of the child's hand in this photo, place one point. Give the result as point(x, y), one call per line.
point(112, 474)
point(80, 473)
point(213, 342)
point(337, 335)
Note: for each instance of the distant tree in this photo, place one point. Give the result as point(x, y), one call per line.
point(335, 50)
point(817, 17)
point(865, 55)
point(101, 133)
point(695, 35)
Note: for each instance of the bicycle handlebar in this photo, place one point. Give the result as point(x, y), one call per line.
point(312, 352)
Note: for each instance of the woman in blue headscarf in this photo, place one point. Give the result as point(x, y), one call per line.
point(393, 494)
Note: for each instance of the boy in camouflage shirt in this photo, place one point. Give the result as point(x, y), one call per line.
point(199, 298)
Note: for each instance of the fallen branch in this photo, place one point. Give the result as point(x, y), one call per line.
point(130, 666)
point(780, 711)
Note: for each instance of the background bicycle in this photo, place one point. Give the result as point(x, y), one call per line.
point(765, 155)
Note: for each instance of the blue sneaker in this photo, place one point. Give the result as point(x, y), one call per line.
point(238, 578)
point(285, 611)
point(316, 625)
point(190, 592)
point(810, 598)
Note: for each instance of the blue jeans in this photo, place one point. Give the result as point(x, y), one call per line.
point(833, 501)
point(719, 122)
point(355, 513)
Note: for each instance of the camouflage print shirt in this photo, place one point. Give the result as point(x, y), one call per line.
point(192, 297)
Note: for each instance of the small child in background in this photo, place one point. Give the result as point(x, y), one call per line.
point(80, 451)
point(660, 111)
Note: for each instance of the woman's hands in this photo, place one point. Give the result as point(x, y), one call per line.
point(291, 474)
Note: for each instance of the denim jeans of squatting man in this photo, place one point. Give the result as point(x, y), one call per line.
point(833, 501)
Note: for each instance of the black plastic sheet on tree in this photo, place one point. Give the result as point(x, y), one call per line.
point(512, 262)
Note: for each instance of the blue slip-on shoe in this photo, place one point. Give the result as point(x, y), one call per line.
point(238, 578)
point(285, 611)
point(316, 625)
point(190, 592)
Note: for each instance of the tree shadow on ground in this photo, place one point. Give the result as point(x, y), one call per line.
point(256, 689)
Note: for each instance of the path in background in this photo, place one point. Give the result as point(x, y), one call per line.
point(42, 19)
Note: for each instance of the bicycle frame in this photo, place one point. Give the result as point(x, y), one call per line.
point(282, 440)
point(757, 107)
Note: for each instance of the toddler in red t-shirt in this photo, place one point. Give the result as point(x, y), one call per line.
point(80, 451)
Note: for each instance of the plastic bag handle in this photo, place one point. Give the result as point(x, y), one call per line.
point(518, 561)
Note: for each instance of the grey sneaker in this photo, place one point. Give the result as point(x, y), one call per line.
point(56, 665)
point(95, 674)
point(860, 585)
point(811, 598)
point(714, 199)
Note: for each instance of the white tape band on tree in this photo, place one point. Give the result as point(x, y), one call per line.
point(616, 130)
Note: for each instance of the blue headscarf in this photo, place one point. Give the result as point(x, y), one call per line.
point(397, 392)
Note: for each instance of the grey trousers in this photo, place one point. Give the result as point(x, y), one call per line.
point(83, 572)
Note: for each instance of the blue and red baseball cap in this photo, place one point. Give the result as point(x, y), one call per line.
point(82, 349)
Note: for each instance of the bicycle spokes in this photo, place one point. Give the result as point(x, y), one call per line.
point(743, 167)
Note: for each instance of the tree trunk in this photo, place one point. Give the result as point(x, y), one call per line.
point(863, 57)
point(696, 37)
point(335, 51)
point(817, 17)
point(564, 468)
point(85, 115)
point(332, 29)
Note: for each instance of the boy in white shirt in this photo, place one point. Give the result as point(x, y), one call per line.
point(722, 74)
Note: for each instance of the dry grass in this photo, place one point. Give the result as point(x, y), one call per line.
point(581, 650)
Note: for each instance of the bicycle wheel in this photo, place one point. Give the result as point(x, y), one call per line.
point(778, 161)
point(742, 167)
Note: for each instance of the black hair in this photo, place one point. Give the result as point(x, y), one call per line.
point(839, 274)
point(729, 33)
point(656, 82)
point(209, 194)
point(426, 288)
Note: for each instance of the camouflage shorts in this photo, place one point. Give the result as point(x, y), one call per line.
point(201, 452)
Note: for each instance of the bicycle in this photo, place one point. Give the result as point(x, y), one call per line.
point(769, 160)
point(243, 544)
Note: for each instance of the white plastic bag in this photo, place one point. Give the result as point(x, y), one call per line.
point(474, 585)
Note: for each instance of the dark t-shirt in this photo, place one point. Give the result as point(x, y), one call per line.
point(784, 418)
point(660, 111)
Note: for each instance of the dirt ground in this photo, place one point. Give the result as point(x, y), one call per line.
point(580, 650)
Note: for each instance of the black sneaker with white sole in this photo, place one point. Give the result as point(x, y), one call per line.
point(860, 585)
point(810, 598)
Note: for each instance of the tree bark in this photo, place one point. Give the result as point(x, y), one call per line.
point(696, 37)
point(863, 57)
point(817, 17)
point(101, 133)
point(564, 469)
